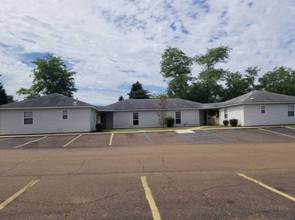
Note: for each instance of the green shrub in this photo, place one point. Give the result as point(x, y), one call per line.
point(225, 122)
point(99, 127)
point(233, 122)
point(169, 121)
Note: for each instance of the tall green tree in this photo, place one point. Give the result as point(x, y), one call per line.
point(10, 99)
point(176, 68)
point(279, 80)
point(121, 98)
point(3, 95)
point(137, 92)
point(51, 75)
point(238, 84)
point(205, 93)
point(209, 78)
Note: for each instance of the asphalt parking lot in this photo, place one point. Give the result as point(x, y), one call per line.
point(182, 137)
point(200, 174)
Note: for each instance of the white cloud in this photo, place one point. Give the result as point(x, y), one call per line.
point(119, 42)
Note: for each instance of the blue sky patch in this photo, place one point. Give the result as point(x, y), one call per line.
point(250, 4)
point(154, 89)
point(203, 4)
point(173, 26)
point(132, 21)
point(4, 45)
point(217, 35)
point(27, 58)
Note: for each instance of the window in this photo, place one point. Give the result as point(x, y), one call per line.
point(135, 118)
point(28, 118)
point(64, 114)
point(225, 114)
point(290, 110)
point(177, 118)
point(262, 109)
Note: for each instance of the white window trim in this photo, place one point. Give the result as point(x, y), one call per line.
point(135, 119)
point(28, 118)
point(225, 113)
point(177, 118)
point(290, 111)
point(262, 108)
point(62, 114)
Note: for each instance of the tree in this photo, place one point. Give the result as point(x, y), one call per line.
point(51, 75)
point(158, 95)
point(162, 112)
point(121, 98)
point(279, 80)
point(237, 84)
point(3, 95)
point(176, 67)
point(208, 85)
point(137, 92)
point(201, 92)
point(10, 98)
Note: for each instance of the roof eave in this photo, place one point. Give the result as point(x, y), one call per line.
point(55, 107)
point(145, 110)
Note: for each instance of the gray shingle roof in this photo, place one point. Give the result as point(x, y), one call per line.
point(257, 96)
point(53, 100)
point(151, 104)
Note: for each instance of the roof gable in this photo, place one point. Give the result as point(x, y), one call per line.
point(53, 100)
point(257, 96)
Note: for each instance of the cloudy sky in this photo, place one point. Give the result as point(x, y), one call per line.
point(114, 43)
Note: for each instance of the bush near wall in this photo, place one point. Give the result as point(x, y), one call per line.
point(225, 122)
point(233, 122)
point(99, 127)
point(169, 121)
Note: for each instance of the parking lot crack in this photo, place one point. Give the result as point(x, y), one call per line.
point(171, 183)
point(163, 162)
point(68, 213)
point(220, 186)
point(78, 169)
point(142, 165)
point(14, 166)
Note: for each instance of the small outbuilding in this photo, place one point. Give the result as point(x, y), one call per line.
point(47, 114)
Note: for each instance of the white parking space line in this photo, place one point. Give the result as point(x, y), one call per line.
point(267, 187)
point(71, 141)
point(184, 131)
point(148, 138)
point(275, 132)
point(150, 199)
point(111, 139)
point(21, 191)
point(5, 139)
point(21, 145)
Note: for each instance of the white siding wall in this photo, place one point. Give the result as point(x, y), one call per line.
point(275, 114)
point(45, 121)
point(93, 118)
point(232, 112)
point(151, 119)
point(188, 117)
